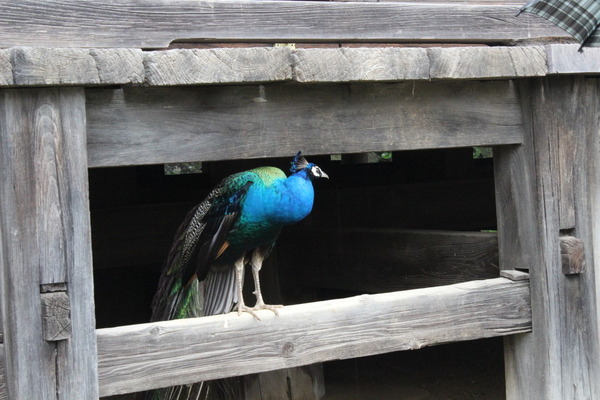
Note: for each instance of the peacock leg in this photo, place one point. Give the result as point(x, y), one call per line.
point(258, 256)
point(239, 281)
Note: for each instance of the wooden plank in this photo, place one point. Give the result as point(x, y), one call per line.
point(46, 66)
point(354, 62)
point(138, 357)
point(383, 260)
point(495, 62)
point(44, 225)
point(2, 376)
point(572, 252)
point(132, 126)
point(190, 67)
point(360, 64)
point(559, 359)
point(6, 74)
point(572, 59)
point(155, 23)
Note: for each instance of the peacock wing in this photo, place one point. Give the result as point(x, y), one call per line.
point(200, 237)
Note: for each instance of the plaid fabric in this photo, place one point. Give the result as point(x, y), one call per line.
point(580, 18)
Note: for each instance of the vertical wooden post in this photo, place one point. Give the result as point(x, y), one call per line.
point(542, 187)
point(46, 246)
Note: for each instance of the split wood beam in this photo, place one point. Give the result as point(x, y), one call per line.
point(45, 246)
point(155, 23)
point(546, 189)
point(140, 357)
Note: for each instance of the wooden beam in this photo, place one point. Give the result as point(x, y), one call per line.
point(34, 66)
point(560, 359)
point(155, 23)
point(572, 59)
point(45, 239)
point(494, 62)
point(354, 62)
point(3, 395)
point(139, 357)
point(383, 260)
point(227, 65)
point(133, 126)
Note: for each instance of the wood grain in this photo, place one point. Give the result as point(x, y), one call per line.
point(56, 316)
point(553, 362)
point(495, 62)
point(360, 64)
point(383, 260)
point(46, 66)
point(572, 254)
point(256, 63)
point(145, 356)
point(44, 225)
point(155, 23)
point(3, 395)
point(187, 67)
point(134, 126)
point(6, 74)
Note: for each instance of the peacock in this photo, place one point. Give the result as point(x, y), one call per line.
point(235, 225)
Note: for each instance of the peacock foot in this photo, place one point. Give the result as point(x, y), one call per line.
point(252, 310)
point(272, 307)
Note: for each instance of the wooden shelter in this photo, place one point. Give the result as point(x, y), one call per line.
point(89, 85)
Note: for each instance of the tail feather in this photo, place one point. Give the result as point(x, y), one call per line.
point(220, 292)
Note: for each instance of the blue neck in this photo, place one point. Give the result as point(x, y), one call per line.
point(284, 202)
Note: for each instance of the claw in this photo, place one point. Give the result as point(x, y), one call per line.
point(272, 307)
point(252, 310)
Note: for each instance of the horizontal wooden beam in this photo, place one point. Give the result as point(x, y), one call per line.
point(34, 66)
point(383, 260)
point(139, 357)
point(156, 23)
point(132, 126)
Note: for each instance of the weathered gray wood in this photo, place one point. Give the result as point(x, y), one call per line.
point(45, 66)
point(154, 23)
point(568, 59)
point(514, 275)
point(188, 67)
point(558, 359)
point(33, 66)
point(300, 383)
point(360, 64)
point(6, 72)
point(56, 316)
point(44, 225)
point(572, 254)
point(2, 378)
point(495, 62)
point(145, 126)
point(383, 260)
point(145, 356)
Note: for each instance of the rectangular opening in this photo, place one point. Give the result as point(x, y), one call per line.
point(425, 219)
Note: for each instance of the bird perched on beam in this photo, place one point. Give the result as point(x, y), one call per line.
point(237, 224)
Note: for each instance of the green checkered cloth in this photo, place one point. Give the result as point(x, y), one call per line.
point(580, 18)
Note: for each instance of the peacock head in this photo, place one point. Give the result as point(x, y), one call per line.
point(312, 170)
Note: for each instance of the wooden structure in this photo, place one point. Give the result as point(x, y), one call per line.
point(88, 85)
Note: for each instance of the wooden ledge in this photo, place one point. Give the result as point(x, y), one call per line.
point(28, 66)
point(139, 357)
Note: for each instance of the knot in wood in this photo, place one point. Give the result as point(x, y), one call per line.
point(288, 350)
